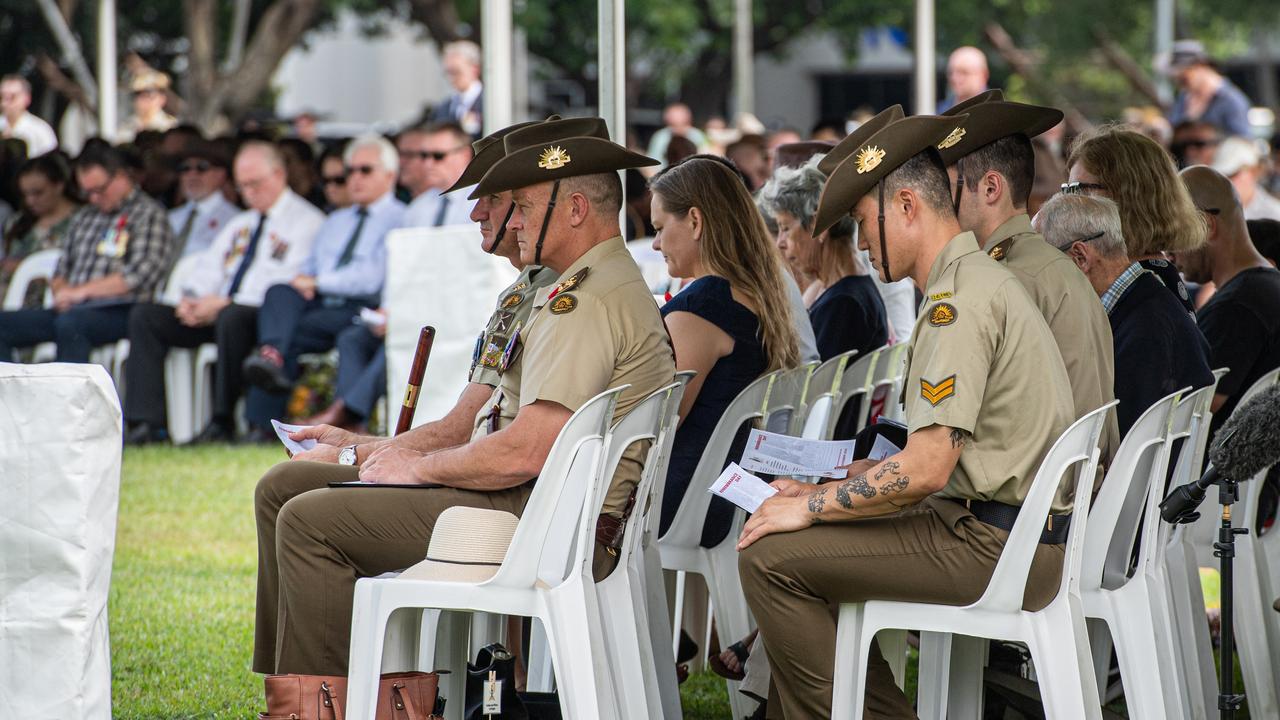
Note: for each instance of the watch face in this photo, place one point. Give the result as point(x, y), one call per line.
point(347, 456)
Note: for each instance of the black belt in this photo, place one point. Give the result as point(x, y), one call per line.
point(998, 514)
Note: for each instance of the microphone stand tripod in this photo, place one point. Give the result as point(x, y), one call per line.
point(1179, 507)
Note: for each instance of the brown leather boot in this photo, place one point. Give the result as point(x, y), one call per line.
point(336, 415)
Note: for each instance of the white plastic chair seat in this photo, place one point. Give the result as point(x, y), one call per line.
point(1055, 634)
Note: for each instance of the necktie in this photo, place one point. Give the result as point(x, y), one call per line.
point(185, 233)
point(247, 259)
point(350, 250)
point(444, 208)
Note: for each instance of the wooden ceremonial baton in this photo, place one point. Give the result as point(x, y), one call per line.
point(420, 357)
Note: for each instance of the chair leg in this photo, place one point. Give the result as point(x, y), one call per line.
point(1060, 652)
point(452, 634)
point(966, 691)
point(659, 631)
point(934, 677)
point(368, 626)
point(1100, 650)
point(400, 643)
point(583, 687)
point(850, 664)
point(541, 677)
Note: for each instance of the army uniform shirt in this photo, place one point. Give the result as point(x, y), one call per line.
point(1077, 320)
point(983, 360)
point(512, 311)
point(596, 328)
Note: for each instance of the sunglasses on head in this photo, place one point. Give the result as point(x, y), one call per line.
point(362, 169)
point(1076, 188)
point(338, 180)
point(198, 166)
point(424, 155)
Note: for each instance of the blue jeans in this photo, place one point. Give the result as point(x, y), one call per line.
point(76, 331)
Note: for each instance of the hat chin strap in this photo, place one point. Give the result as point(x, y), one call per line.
point(502, 231)
point(546, 222)
point(959, 184)
point(884, 249)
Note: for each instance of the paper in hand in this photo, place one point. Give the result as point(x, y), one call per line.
point(741, 488)
point(778, 454)
point(293, 446)
point(882, 448)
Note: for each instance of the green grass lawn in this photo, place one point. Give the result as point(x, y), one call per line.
point(182, 590)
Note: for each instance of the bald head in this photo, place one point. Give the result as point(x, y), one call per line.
point(1213, 193)
point(967, 72)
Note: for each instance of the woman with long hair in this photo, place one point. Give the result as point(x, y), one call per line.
point(844, 306)
point(1157, 216)
point(730, 324)
point(44, 183)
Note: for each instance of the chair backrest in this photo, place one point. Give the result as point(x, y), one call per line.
point(39, 264)
point(887, 380)
point(645, 422)
point(749, 405)
point(171, 293)
point(553, 526)
point(1140, 460)
point(666, 440)
point(854, 396)
point(785, 406)
point(1073, 459)
point(823, 396)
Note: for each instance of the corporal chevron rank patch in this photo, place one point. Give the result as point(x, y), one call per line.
point(937, 392)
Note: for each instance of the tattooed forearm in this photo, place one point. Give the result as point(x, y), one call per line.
point(817, 500)
point(890, 466)
point(858, 484)
point(895, 485)
point(957, 437)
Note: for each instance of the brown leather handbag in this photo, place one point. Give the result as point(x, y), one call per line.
point(401, 696)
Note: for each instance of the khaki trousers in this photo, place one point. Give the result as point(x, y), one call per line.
point(314, 542)
point(936, 552)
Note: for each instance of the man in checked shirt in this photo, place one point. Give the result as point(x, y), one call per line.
point(114, 255)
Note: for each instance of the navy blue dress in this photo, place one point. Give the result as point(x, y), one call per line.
point(709, 298)
point(849, 315)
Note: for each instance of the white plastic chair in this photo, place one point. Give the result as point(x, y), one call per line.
point(1257, 577)
point(1126, 610)
point(37, 265)
point(823, 395)
point(853, 400)
point(786, 403)
point(546, 574)
point(1055, 634)
point(621, 596)
point(1198, 677)
point(886, 381)
point(680, 548)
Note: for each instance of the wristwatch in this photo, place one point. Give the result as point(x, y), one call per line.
point(347, 455)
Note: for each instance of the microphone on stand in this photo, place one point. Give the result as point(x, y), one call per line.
point(1247, 444)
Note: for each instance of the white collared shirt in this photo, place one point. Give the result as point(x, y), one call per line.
point(212, 213)
point(36, 133)
point(284, 245)
point(425, 208)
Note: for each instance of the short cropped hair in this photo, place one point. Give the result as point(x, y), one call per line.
point(387, 154)
point(927, 176)
point(603, 190)
point(1011, 156)
point(796, 191)
point(1065, 219)
point(270, 152)
point(15, 78)
point(100, 154)
point(465, 49)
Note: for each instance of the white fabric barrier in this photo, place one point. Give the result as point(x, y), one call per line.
point(438, 277)
point(60, 441)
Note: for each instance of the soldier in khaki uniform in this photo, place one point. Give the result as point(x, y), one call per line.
point(986, 397)
point(992, 163)
point(597, 328)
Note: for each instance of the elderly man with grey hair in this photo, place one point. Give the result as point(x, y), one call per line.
point(845, 307)
point(342, 275)
point(1158, 347)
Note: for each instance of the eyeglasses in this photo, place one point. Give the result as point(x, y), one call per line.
point(89, 192)
point(1085, 239)
point(362, 169)
point(339, 180)
point(198, 166)
point(424, 155)
point(1079, 188)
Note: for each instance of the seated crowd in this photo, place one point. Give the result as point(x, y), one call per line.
point(837, 249)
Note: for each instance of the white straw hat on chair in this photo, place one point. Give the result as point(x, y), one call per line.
point(467, 545)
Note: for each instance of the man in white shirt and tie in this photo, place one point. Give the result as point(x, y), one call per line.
point(465, 105)
point(202, 171)
point(432, 159)
point(16, 122)
point(258, 248)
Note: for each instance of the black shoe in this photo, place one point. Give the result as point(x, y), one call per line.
point(264, 370)
point(259, 436)
point(214, 432)
point(144, 433)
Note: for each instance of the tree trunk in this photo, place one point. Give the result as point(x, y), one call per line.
point(439, 17)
